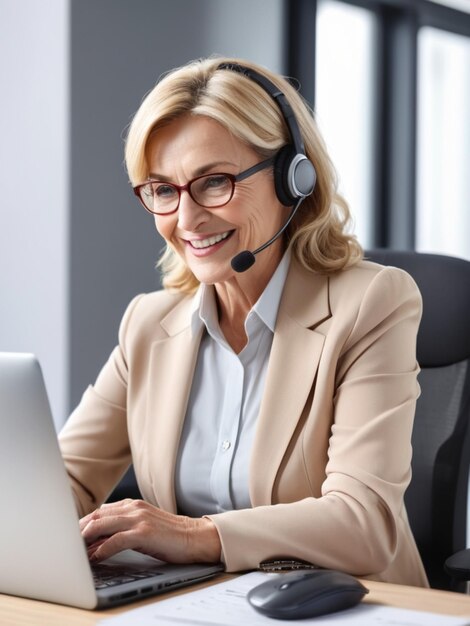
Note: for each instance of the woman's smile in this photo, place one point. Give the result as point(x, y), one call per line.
point(208, 244)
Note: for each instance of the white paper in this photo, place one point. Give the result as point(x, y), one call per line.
point(225, 604)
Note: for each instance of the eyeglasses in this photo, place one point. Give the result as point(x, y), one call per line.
point(210, 191)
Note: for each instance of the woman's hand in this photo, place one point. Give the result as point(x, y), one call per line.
point(137, 525)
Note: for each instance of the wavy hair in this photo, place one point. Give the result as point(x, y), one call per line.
point(318, 235)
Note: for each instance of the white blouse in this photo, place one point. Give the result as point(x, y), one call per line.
point(213, 459)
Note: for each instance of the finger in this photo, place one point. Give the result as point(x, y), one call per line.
point(107, 507)
point(105, 527)
point(92, 547)
point(94, 515)
point(106, 510)
point(96, 544)
point(109, 546)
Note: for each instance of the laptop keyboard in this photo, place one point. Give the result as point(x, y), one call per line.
point(111, 575)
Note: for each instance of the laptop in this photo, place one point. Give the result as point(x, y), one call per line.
point(42, 553)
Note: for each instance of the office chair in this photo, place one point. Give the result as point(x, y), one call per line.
point(436, 499)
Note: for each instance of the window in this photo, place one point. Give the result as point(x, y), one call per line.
point(345, 102)
point(443, 148)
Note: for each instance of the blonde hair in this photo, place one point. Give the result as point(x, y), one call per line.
point(318, 233)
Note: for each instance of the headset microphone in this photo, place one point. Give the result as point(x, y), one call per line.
point(244, 260)
point(294, 174)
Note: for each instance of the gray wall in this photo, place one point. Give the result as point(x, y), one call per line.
point(69, 267)
point(34, 175)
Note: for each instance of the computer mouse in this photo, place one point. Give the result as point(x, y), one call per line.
point(306, 593)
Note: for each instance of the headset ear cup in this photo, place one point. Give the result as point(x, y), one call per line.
point(281, 175)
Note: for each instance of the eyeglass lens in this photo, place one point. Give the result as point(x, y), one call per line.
point(212, 190)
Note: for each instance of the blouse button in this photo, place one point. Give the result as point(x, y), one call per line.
point(226, 444)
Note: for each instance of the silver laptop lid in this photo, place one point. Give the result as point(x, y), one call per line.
point(42, 553)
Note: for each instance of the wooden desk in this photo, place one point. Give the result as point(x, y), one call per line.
point(23, 612)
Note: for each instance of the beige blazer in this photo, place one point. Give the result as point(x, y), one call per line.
point(331, 455)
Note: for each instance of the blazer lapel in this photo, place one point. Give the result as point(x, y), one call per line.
point(293, 362)
point(172, 364)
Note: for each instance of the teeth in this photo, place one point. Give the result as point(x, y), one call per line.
point(210, 241)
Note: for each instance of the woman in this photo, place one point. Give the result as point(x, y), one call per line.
point(268, 412)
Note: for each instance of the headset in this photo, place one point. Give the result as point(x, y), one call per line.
point(294, 173)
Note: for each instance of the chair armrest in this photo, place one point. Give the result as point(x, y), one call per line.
point(458, 565)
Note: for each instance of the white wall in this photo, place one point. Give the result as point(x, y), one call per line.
point(77, 246)
point(34, 186)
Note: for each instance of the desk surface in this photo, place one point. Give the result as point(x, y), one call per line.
point(23, 612)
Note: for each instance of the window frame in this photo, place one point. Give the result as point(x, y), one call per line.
point(395, 106)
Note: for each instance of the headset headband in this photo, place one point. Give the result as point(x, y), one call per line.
point(277, 95)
